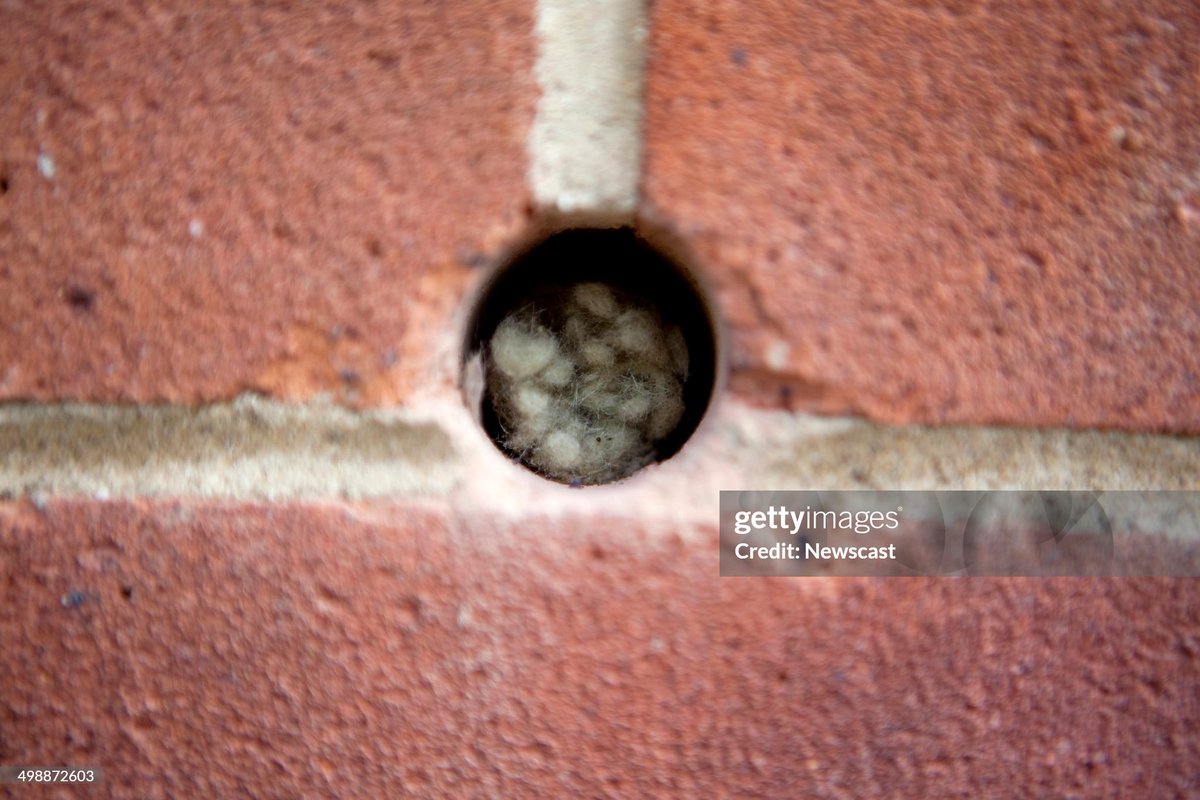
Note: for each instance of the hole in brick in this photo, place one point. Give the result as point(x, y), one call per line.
point(81, 298)
point(597, 356)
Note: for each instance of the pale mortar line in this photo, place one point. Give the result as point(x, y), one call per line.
point(742, 447)
point(586, 141)
point(249, 449)
point(434, 451)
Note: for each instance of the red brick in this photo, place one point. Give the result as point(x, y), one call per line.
point(940, 211)
point(193, 650)
point(344, 168)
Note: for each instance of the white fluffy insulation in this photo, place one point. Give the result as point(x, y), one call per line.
point(585, 392)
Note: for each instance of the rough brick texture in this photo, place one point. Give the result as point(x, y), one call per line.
point(202, 199)
point(940, 211)
point(194, 650)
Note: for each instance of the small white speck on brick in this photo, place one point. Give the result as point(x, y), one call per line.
point(196, 228)
point(777, 354)
point(46, 166)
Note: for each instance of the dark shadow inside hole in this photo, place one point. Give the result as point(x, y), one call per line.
point(622, 260)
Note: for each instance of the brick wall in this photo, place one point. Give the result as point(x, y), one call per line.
point(253, 540)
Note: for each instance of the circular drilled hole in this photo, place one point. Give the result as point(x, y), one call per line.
point(597, 355)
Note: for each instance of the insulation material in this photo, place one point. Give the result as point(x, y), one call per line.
point(585, 387)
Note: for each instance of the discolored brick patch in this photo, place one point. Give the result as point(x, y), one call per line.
point(940, 211)
point(192, 649)
point(196, 200)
